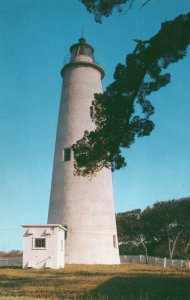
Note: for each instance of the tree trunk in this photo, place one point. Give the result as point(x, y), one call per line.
point(187, 247)
point(170, 248)
point(145, 250)
point(172, 244)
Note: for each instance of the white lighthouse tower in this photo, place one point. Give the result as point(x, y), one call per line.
point(85, 206)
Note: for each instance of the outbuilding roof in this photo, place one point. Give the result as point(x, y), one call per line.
point(44, 226)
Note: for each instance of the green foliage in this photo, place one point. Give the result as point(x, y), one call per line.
point(100, 8)
point(164, 229)
point(115, 112)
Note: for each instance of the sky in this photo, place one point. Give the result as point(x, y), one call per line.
point(35, 37)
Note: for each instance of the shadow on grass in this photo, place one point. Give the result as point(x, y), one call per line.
point(80, 286)
point(11, 267)
point(144, 288)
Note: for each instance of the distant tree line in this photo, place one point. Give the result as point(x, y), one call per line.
point(12, 253)
point(162, 230)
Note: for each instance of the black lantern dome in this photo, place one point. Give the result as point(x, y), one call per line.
point(82, 48)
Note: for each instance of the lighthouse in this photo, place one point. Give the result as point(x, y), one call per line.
point(83, 205)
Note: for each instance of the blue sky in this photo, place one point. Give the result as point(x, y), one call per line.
point(35, 37)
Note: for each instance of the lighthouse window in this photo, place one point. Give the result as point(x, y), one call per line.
point(65, 231)
point(114, 241)
point(67, 154)
point(40, 243)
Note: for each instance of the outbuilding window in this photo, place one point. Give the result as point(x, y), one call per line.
point(40, 243)
point(67, 154)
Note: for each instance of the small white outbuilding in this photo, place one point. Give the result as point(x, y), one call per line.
point(44, 246)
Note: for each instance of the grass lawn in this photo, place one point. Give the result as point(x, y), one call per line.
point(127, 281)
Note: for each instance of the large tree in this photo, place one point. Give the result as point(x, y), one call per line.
point(116, 113)
point(168, 222)
point(132, 232)
point(162, 230)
